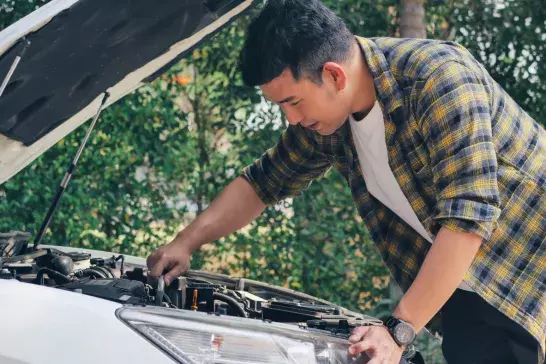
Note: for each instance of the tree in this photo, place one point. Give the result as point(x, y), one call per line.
point(412, 14)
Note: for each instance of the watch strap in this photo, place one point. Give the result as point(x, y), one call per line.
point(391, 322)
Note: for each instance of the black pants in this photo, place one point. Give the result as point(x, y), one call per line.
point(476, 332)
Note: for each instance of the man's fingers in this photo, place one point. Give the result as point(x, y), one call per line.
point(151, 259)
point(358, 333)
point(362, 346)
point(174, 273)
point(160, 264)
point(376, 342)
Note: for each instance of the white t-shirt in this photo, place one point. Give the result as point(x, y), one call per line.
point(371, 147)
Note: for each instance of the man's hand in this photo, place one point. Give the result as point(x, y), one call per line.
point(173, 258)
point(377, 343)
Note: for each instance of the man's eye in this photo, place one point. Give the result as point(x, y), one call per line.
point(295, 103)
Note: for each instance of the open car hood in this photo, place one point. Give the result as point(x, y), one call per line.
point(80, 49)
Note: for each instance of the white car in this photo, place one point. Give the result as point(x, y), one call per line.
point(60, 66)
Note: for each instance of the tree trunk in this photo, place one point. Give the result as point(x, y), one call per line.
point(412, 14)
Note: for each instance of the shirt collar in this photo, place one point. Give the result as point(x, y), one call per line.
point(387, 90)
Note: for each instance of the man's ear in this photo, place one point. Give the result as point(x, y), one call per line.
point(335, 74)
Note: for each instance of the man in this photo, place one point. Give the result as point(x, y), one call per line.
point(447, 171)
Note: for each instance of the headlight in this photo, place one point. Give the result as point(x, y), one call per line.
point(202, 338)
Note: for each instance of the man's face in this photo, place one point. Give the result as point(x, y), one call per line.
point(322, 108)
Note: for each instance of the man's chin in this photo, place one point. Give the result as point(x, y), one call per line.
point(328, 129)
point(326, 132)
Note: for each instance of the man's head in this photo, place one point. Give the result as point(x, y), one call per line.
point(298, 51)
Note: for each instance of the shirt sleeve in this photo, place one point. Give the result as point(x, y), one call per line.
point(454, 115)
point(288, 168)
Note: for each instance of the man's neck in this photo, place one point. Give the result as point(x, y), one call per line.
point(364, 91)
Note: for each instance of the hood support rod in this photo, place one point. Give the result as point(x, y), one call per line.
point(14, 66)
point(68, 175)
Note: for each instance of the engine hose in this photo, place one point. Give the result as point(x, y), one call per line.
point(107, 272)
point(168, 299)
point(121, 270)
point(92, 272)
point(51, 273)
point(230, 301)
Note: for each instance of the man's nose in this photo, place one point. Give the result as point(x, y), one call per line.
point(293, 116)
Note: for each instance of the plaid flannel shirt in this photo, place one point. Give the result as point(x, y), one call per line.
point(466, 156)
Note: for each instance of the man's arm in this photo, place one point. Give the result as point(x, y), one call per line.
point(455, 121)
point(236, 206)
point(283, 171)
point(442, 271)
point(455, 117)
point(444, 268)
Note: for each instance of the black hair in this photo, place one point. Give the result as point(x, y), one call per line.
point(298, 34)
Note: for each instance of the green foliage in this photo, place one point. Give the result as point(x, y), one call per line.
point(508, 37)
point(13, 10)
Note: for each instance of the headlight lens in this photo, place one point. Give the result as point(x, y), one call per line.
point(201, 338)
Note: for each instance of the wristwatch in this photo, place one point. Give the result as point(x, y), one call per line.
point(401, 331)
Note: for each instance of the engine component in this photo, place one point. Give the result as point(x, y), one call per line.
point(160, 291)
point(94, 272)
point(176, 291)
point(137, 274)
point(16, 269)
point(63, 265)
point(56, 260)
point(118, 290)
point(340, 327)
point(79, 256)
point(21, 258)
point(200, 297)
point(231, 302)
point(286, 311)
point(53, 274)
point(13, 242)
point(109, 263)
point(192, 294)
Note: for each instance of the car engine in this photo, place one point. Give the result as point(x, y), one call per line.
point(112, 279)
point(115, 280)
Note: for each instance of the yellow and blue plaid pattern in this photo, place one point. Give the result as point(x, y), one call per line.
point(465, 155)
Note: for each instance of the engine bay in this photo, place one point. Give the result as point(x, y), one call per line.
point(115, 280)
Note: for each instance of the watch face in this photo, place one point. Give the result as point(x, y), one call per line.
point(404, 333)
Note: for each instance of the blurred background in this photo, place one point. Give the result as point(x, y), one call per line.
point(160, 155)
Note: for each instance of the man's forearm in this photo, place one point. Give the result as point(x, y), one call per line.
point(446, 263)
point(236, 206)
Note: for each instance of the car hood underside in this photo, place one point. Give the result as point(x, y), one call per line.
point(76, 50)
